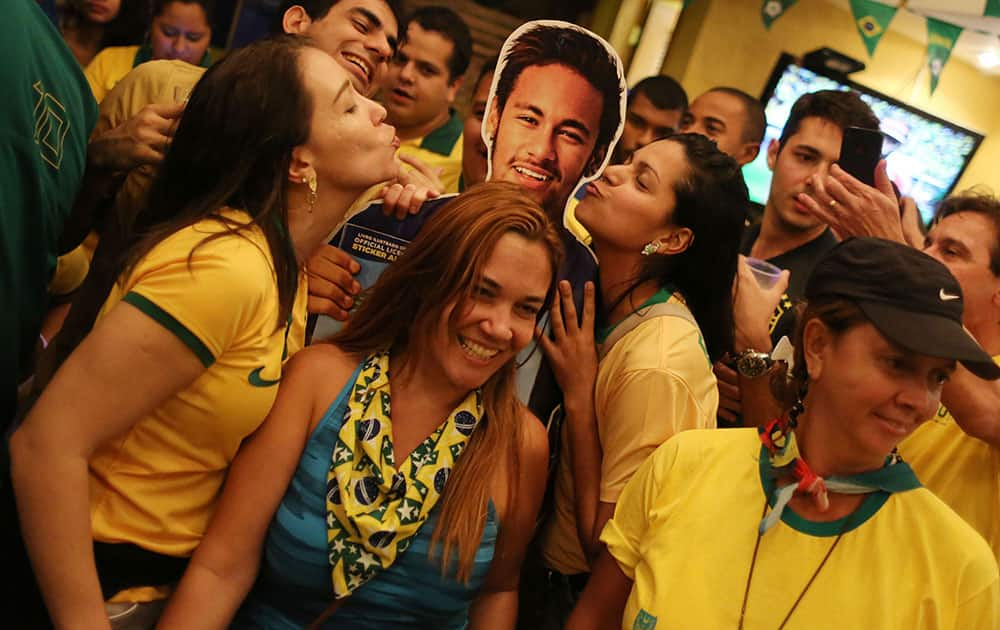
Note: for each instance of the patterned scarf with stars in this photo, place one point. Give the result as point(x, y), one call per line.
point(373, 508)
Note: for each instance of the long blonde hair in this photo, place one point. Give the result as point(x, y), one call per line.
point(441, 266)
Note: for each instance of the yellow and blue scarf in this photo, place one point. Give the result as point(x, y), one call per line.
point(374, 509)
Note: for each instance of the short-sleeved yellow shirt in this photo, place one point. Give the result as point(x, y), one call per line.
point(961, 470)
point(156, 485)
point(655, 381)
point(684, 532)
point(440, 149)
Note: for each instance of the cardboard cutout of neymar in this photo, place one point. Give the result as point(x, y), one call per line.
point(555, 111)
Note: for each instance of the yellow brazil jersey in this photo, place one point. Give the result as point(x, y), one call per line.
point(108, 67)
point(655, 381)
point(71, 269)
point(686, 525)
point(440, 149)
point(156, 485)
point(961, 470)
point(113, 64)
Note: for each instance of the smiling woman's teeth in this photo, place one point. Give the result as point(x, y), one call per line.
point(474, 349)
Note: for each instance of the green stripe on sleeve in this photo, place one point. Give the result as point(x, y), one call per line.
point(168, 321)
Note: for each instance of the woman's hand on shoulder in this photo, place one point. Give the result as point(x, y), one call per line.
point(571, 351)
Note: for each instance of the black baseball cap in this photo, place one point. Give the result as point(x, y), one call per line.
point(911, 298)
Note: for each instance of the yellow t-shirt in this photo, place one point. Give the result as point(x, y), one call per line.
point(961, 470)
point(71, 269)
point(654, 382)
point(441, 148)
point(685, 527)
point(162, 82)
point(156, 485)
point(108, 67)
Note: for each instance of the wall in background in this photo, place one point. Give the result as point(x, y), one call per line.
point(719, 42)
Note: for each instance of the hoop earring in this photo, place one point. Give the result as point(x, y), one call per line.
point(651, 248)
point(311, 182)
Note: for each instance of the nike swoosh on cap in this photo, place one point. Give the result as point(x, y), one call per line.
point(947, 297)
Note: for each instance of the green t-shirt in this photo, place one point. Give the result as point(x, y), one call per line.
point(46, 115)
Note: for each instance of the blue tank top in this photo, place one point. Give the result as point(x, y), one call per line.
point(294, 586)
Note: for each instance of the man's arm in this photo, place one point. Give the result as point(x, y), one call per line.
point(602, 603)
point(753, 307)
point(96, 192)
point(141, 139)
point(975, 405)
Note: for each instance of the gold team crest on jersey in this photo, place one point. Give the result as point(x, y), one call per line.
point(644, 621)
point(51, 126)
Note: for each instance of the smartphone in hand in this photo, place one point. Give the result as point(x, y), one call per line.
point(860, 152)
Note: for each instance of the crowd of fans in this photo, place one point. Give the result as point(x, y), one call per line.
point(569, 403)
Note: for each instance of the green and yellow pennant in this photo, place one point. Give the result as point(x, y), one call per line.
point(941, 38)
point(771, 10)
point(872, 19)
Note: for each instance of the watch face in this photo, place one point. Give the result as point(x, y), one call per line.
point(752, 365)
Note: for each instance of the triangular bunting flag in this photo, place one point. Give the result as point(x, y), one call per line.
point(992, 8)
point(872, 19)
point(941, 38)
point(771, 10)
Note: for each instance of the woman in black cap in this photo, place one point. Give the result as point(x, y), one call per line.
point(813, 521)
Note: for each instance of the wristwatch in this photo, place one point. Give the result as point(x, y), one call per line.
point(750, 363)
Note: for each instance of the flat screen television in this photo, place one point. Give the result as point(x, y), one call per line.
point(925, 155)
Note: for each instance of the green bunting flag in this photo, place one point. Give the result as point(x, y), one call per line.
point(872, 19)
point(771, 10)
point(992, 8)
point(941, 38)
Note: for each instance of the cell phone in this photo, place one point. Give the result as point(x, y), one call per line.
point(860, 152)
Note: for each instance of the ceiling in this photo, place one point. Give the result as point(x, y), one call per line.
point(971, 45)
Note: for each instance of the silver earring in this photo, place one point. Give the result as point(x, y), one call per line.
point(651, 248)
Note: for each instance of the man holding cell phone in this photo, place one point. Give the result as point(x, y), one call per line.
point(790, 236)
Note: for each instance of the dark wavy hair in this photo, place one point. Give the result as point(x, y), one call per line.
point(844, 109)
point(582, 53)
point(207, 5)
point(233, 147)
point(442, 266)
point(125, 29)
point(712, 202)
point(662, 91)
point(452, 27)
point(317, 10)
